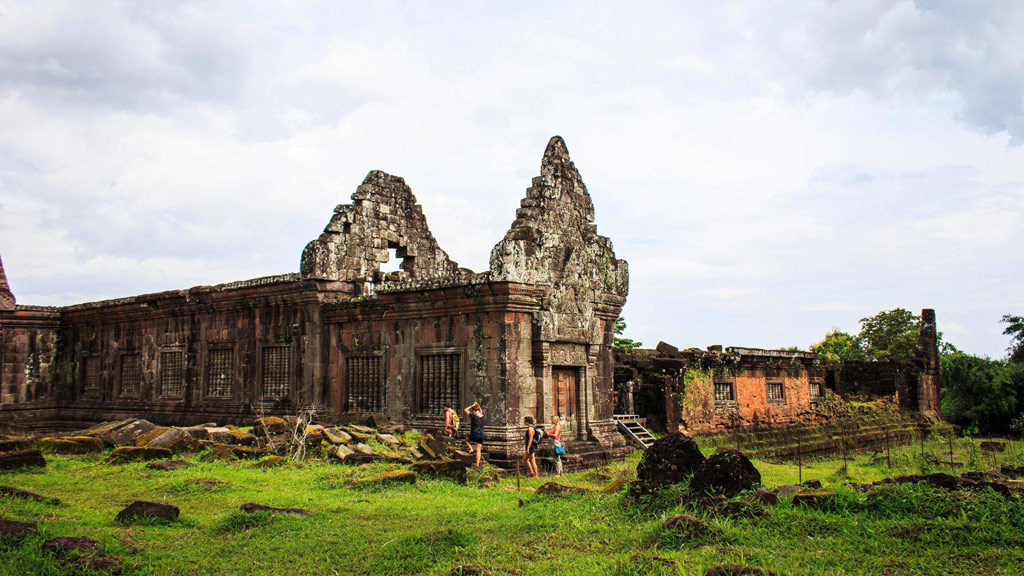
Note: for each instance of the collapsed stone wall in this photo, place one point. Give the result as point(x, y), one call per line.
point(675, 389)
point(913, 381)
point(383, 216)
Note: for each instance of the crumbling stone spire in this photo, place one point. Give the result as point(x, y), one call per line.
point(383, 216)
point(553, 243)
point(7, 300)
point(553, 238)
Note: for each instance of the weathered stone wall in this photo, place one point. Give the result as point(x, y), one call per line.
point(676, 389)
point(241, 319)
point(383, 216)
point(28, 344)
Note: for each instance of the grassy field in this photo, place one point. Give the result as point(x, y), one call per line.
point(435, 526)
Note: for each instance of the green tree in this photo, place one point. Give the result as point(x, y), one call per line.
point(889, 334)
point(838, 346)
point(981, 393)
point(621, 342)
point(1015, 329)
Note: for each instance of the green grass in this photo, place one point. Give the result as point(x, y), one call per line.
point(434, 526)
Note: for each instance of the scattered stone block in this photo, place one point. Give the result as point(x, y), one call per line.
point(248, 452)
point(992, 446)
point(141, 509)
point(220, 434)
point(670, 460)
point(64, 544)
point(146, 438)
point(175, 440)
point(219, 453)
point(264, 427)
point(14, 444)
point(72, 445)
point(363, 449)
point(788, 490)
point(727, 473)
point(362, 429)
point(357, 435)
point(14, 530)
point(252, 507)
point(764, 498)
point(556, 489)
point(22, 459)
point(341, 452)
point(688, 526)
point(126, 454)
point(450, 469)
point(12, 492)
point(243, 438)
point(127, 434)
point(167, 465)
point(335, 436)
point(813, 498)
point(271, 461)
point(392, 477)
point(388, 439)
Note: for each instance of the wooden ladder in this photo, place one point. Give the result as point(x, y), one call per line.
point(632, 428)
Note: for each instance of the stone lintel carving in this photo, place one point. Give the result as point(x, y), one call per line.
point(553, 243)
point(562, 354)
point(383, 216)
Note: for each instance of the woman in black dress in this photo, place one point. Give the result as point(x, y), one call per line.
point(476, 429)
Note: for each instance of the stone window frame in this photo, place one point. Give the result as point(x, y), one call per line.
point(820, 383)
point(87, 360)
point(261, 371)
point(771, 398)
point(347, 384)
point(121, 374)
point(162, 353)
point(212, 347)
point(731, 382)
point(460, 395)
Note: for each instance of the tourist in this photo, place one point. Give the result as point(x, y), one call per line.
point(530, 456)
point(451, 420)
point(556, 443)
point(476, 429)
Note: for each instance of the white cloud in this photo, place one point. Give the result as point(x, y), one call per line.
point(770, 171)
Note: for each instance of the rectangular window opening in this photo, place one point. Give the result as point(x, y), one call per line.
point(440, 381)
point(220, 372)
point(276, 381)
point(172, 373)
point(364, 381)
point(776, 392)
point(131, 374)
point(91, 375)
point(725, 392)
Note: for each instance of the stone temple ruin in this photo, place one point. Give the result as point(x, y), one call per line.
point(533, 335)
point(530, 336)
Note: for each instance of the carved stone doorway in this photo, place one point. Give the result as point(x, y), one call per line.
point(565, 392)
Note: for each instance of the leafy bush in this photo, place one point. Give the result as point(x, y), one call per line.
point(980, 393)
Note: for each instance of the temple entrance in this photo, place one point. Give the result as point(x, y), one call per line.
point(565, 387)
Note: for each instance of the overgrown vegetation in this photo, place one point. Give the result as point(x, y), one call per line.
point(621, 342)
point(435, 527)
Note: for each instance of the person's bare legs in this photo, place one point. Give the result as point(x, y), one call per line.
point(478, 447)
point(533, 464)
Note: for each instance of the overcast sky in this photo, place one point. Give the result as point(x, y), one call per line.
point(769, 170)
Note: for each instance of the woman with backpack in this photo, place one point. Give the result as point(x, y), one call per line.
point(451, 420)
point(534, 435)
point(556, 443)
point(476, 429)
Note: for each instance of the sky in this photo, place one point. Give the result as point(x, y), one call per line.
point(770, 170)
